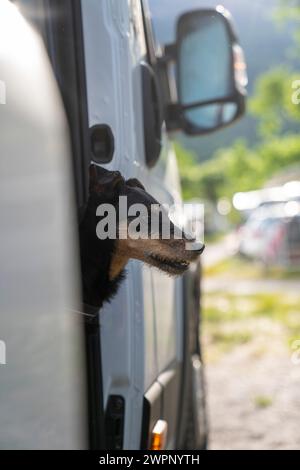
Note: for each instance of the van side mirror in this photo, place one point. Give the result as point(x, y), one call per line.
point(211, 75)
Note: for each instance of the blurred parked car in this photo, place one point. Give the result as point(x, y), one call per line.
point(272, 234)
point(293, 241)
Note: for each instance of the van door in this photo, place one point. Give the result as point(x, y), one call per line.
point(163, 183)
point(42, 380)
point(168, 305)
point(114, 46)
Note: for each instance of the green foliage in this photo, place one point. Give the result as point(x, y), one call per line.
point(238, 168)
point(242, 167)
point(288, 11)
point(202, 181)
point(272, 103)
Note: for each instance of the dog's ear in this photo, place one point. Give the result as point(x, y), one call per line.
point(135, 183)
point(102, 180)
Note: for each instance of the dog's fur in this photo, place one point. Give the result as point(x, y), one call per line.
point(103, 261)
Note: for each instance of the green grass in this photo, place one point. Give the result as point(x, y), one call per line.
point(263, 401)
point(231, 266)
point(223, 306)
point(214, 237)
point(237, 266)
point(227, 340)
point(231, 320)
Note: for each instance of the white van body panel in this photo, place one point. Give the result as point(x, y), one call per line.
point(42, 392)
point(140, 327)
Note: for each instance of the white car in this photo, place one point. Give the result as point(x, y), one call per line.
point(265, 235)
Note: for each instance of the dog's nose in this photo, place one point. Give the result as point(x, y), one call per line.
point(201, 249)
point(197, 247)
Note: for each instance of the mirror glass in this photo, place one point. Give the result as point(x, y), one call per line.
point(205, 69)
point(211, 116)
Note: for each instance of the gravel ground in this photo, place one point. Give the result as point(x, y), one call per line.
point(254, 388)
point(254, 399)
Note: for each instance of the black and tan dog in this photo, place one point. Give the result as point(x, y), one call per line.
point(103, 260)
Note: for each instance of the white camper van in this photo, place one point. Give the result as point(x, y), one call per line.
point(85, 82)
